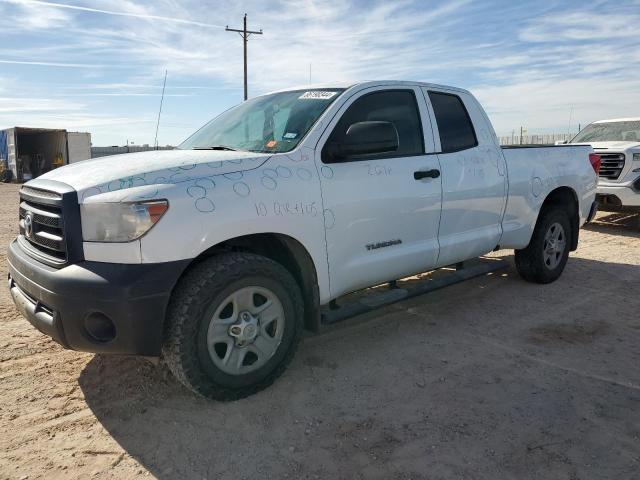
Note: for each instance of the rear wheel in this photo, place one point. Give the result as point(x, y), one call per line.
point(544, 259)
point(233, 325)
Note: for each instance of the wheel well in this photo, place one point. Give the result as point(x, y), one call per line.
point(565, 197)
point(289, 253)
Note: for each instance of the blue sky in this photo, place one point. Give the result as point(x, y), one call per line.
point(98, 65)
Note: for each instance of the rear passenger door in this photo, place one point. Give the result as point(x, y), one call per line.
point(473, 176)
point(381, 222)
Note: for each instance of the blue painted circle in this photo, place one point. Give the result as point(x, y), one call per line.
point(304, 174)
point(241, 189)
point(283, 172)
point(195, 191)
point(269, 183)
point(327, 172)
point(205, 205)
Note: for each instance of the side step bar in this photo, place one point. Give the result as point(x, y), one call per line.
point(455, 274)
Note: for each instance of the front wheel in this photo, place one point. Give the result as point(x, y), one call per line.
point(233, 325)
point(544, 259)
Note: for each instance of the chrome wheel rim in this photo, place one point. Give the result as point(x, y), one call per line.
point(554, 244)
point(245, 331)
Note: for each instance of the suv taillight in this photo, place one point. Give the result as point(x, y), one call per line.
point(596, 161)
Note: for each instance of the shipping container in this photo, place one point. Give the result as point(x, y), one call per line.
point(30, 152)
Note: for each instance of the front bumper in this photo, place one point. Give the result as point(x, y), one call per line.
point(62, 303)
point(619, 196)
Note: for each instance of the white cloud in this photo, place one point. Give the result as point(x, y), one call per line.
point(581, 25)
point(51, 12)
point(35, 17)
point(546, 105)
point(48, 64)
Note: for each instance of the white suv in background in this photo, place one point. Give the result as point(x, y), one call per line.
point(617, 142)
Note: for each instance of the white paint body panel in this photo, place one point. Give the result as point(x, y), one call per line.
point(483, 198)
point(113, 252)
point(474, 187)
point(372, 201)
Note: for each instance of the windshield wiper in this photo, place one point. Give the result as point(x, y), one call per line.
point(216, 147)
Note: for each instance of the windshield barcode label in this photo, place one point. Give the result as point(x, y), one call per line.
point(317, 95)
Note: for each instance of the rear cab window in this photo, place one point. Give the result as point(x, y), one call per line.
point(454, 123)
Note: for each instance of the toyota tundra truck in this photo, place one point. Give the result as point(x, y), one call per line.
point(618, 144)
point(217, 255)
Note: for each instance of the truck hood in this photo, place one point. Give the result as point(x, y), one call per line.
point(621, 146)
point(118, 172)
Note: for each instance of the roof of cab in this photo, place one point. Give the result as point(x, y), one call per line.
point(367, 84)
point(630, 119)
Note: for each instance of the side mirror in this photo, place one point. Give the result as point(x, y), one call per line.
point(365, 138)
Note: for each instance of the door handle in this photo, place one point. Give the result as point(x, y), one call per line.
point(420, 174)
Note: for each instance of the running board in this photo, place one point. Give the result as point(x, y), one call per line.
point(455, 274)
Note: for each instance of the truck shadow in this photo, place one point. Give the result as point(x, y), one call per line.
point(626, 224)
point(336, 392)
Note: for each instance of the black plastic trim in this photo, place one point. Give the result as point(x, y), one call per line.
point(71, 226)
point(592, 211)
point(57, 300)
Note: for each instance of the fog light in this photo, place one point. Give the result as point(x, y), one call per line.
point(100, 327)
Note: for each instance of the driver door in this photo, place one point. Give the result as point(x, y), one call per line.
point(381, 210)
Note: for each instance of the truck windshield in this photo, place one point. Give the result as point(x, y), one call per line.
point(270, 123)
point(609, 132)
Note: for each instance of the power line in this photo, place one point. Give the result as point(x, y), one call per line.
point(244, 33)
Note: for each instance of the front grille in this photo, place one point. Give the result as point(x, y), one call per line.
point(42, 224)
point(612, 165)
point(40, 193)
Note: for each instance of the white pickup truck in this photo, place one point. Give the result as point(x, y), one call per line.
point(618, 144)
point(215, 256)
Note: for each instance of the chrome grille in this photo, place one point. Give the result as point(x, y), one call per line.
point(612, 165)
point(42, 224)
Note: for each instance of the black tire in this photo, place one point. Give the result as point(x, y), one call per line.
point(530, 261)
point(198, 294)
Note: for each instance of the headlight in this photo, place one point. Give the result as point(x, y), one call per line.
point(636, 157)
point(120, 222)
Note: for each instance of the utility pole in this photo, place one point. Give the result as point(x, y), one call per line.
point(244, 33)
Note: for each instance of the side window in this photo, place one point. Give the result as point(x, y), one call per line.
point(398, 107)
point(454, 124)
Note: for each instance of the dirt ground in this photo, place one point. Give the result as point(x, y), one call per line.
point(493, 378)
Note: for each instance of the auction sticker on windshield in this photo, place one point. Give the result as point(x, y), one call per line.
point(317, 95)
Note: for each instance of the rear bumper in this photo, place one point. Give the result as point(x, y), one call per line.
point(63, 303)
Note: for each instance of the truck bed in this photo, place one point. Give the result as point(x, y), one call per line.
point(534, 171)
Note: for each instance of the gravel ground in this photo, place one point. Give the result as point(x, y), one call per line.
point(493, 378)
